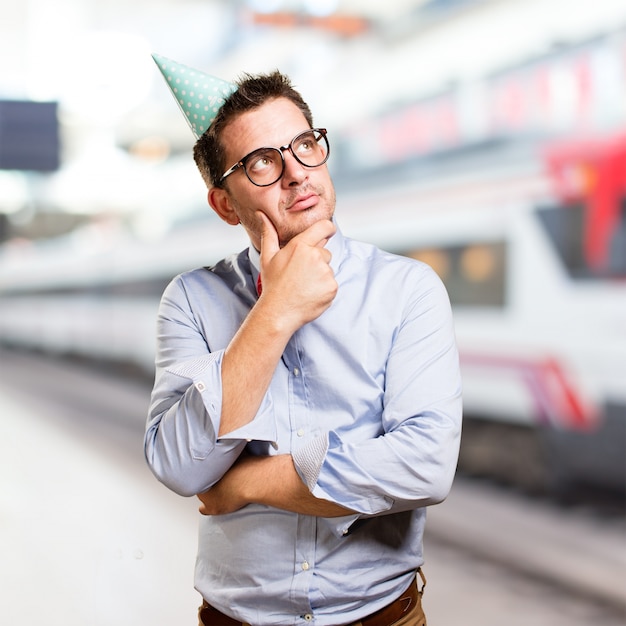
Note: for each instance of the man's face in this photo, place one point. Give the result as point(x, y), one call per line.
point(303, 196)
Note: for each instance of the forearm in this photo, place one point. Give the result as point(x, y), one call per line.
point(249, 363)
point(275, 482)
point(269, 480)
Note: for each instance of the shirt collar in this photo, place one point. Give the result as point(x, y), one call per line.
point(255, 261)
point(336, 246)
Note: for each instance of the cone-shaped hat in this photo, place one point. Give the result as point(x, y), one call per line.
point(199, 95)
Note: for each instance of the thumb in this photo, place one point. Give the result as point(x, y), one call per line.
point(269, 238)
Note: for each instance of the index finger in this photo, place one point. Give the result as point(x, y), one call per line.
point(269, 237)
point(318, 234)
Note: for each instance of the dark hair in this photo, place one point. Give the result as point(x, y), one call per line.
point(251, 93)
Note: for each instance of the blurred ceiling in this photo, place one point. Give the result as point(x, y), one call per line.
point(93, 57)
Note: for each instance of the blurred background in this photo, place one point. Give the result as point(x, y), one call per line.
point(485, 137)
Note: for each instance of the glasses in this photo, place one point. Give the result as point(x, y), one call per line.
point(265, 166)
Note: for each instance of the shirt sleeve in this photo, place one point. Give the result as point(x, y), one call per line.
point(181, 443)
point(412, 464)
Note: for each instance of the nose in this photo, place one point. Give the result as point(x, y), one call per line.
point(295, 173)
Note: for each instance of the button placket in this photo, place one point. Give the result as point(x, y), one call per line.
point(298, 404)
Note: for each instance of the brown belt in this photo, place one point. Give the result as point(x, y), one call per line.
point(210, 616)
point(397, 609)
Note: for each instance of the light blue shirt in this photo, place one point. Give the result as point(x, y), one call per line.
point(367, 400)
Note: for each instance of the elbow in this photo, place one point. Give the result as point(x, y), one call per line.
point(440, 486)
point(183, 489)
point(185, 472)
point(439, 494)
point(177, 481)
point(169, 471)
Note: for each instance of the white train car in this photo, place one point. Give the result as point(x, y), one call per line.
point(95, 292)
point(532, 249)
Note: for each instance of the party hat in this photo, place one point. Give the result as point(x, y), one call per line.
point(198, 95)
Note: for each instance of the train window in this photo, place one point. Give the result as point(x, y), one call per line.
point(439, 260)
point(474, 275)
point(589, 246)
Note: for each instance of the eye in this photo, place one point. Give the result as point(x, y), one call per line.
point(306, 143)
point(262, 161)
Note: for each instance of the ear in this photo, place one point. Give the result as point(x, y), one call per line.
point(221, 204)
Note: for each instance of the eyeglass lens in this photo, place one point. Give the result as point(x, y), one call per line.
point(265, 165)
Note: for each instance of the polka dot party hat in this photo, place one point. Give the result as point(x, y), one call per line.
point(198, 95)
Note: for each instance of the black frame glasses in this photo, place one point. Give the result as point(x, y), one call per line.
point(295, 146)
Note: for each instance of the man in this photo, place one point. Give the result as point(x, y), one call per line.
point(307, 388)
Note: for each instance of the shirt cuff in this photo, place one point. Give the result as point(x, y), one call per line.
point(308, 460)
point(205, 376)
point(261, 428)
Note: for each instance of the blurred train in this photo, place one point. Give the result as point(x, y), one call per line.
point(530, 241)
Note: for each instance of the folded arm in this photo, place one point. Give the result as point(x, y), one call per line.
point(411, 464)
point(269, 480)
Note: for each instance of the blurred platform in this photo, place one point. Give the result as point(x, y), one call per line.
point(89, 537)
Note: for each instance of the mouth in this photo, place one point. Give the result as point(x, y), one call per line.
point(303, 202)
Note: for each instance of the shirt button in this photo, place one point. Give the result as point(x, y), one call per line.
point(308, 617)
point(305, 566)
point(300, 432)
point(296, 371)
point(200, 386)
